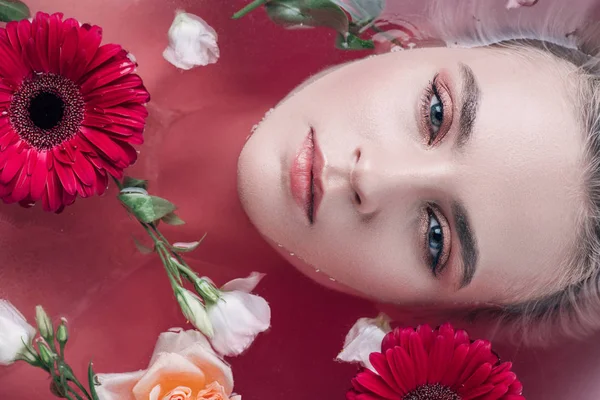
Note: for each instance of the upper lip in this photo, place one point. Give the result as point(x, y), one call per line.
point(306, 176)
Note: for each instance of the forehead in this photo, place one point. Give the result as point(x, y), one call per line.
point(522, 175)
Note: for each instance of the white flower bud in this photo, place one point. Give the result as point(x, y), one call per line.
point(193, 309)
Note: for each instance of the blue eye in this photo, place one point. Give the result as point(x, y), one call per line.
point(435, 240)
point(436, 114)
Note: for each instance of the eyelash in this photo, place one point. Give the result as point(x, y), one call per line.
point(438, 89)
point(438, 263)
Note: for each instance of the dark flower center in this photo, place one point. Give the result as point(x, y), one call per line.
point(47, 110)
point(432, 392)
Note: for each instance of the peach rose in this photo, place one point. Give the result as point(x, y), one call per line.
point(183, 367)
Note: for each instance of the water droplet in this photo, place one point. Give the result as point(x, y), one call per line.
point(291, 254)
point(331, 279)
point(279, 245)
point(317, 270)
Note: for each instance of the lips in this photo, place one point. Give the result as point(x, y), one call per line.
point(305, 177)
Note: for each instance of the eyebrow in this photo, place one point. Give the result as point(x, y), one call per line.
point(468, 244)
point(470, 103)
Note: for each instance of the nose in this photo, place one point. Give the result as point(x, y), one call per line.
point(381, 177)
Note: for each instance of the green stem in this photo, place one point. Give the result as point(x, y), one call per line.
point(249, 8)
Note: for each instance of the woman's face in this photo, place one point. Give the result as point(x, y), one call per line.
point(424, 176)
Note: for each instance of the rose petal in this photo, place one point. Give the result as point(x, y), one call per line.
point(118, 386)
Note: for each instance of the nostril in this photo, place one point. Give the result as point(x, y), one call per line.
point(357, 155)
point(357, 198)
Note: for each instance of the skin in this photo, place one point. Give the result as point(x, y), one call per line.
point(518, 177)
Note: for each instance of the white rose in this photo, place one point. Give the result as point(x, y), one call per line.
point(364, 338)
point(14, 333)
point(192, 42)
point(238, 316)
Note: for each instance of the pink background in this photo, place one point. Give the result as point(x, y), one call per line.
point(82, 264)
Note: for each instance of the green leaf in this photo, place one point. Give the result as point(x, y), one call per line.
point(353, 42)
point(144, 207)
point(13, 10)
point(311, 13)
point(162, 207)
point(92, 382)
point(133, 182)
point(172, 219)
point(142, 248)
point(140, 205)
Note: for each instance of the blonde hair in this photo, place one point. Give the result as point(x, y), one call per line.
point(561, 31)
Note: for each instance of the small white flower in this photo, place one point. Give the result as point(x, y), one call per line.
point(364, 338)
point(193, 309)
point(192, 42)
point(14, 332)
point(238, 316)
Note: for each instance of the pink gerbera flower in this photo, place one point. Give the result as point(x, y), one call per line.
point(440, 364)
point(70, 111)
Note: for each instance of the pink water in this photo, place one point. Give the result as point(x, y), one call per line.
point(82, 264)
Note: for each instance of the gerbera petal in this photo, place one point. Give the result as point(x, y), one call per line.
point(31, 161)
point(12, 167)
point(476, 392)
point(40, 30)
point(89, 41)
point(137, 125)
point(116, 97)
point(478, 377)
point(52, 198)
point(61, 155)
point(480, 352)
point(54, 42)
point(13, 36)
point(106, 74)
point(126, 82)
point(5, 97)
point(427, 336)
point(496, 393)
point(38, 177)
point(66, 177)
point(68, 50)
point(375, 384)
point(456, 365)
point(84, 171)
point(460, 337)
point(396, 372)
point(21, 188)
point(97, 120)
point(23, 33)
point(515, 388)
point(104, 53)
point(419, 357)
point(506, 378)
point(103, 143)
point(131, 111)
point(439, 358)
point(406, 367)
point(382, 367)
